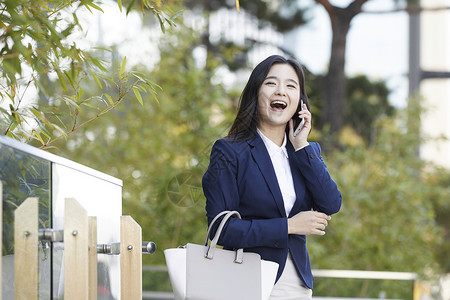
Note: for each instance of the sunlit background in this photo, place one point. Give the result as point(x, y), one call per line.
point(390, 155)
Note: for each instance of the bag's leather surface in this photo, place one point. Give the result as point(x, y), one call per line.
point(202, 272)
point(220, 277)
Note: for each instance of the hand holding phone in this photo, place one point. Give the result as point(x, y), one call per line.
point(298, 122)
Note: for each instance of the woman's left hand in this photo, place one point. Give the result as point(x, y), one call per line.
point(301, 139)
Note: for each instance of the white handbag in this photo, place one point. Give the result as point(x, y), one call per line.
point(202, 272)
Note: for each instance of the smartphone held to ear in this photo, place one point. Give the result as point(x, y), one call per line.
point(298, 122)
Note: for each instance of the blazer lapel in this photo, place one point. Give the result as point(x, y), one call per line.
point(262, 159)
point(296, 177)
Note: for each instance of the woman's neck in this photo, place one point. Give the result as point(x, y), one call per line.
point(275, 134)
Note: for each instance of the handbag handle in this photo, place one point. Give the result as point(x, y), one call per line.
point(212, 247)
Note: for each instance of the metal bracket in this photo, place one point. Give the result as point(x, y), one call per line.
point(114, 248)
point(148, 247)
point(110, 249)
point(52, 235)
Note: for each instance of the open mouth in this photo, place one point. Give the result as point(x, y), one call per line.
point(277, 104)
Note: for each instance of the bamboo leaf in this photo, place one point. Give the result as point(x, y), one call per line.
point(119, 2)
point(15, 116)
point(87, 6)
point(177, 14)
point(109, 99)
point(87, 102)
point(38, 114)
point(122, 67)
point(36, 133)
point(13, 126)
point(61, 79)
point(109, 79)
point(79, 94)
point(137, 76)
point(44, 132)
point(69, 77)
point(96, 79)
point(59, 129)
point(154, 96)
point(92, 4)
point(130, 6)
point(138, 95)
point(73, 103)
point(12, 135)
point(161, 23)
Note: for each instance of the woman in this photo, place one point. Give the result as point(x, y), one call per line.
point(277, 181)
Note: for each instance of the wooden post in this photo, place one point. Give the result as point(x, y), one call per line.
point(76, 263)
point(26, 242)
point(93, 281)
point(130, 259)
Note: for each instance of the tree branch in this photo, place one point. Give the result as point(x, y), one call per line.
point(61, 8)
point(409, 10)
point(75, 127)
point(327, 5)
point(355, 7)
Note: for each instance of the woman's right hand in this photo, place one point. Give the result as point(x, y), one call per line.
point(308, 222)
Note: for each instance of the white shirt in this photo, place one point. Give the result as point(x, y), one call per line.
point(280, 162)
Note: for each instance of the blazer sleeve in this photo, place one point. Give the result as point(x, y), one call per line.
point(326, 196)
point(222, 193)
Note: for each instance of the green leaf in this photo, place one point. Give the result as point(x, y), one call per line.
point(12, 135)
point(87, 104)
point(161, 23)
point(177, 14)
point(154, 96)
point(138, 77)
point(69, 77)
point(122, 67)
point(119, 2)
point(109, 99)
point(59, 129)
point(138, 95)
point(15, 116)
point(79, 94)
point(107, 78)
point(130, 6)
point(73, 103)
point(42, 131)
point(92, 4)
point(39, 115)
point(87, 6)
point(96, 79)
point(35, 133)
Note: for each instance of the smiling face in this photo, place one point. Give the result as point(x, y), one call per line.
point(278, 96)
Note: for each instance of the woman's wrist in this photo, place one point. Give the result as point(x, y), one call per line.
point(301, 146)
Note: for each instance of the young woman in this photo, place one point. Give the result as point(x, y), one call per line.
point(277, 181)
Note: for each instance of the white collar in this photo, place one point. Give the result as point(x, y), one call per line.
point(271, 146)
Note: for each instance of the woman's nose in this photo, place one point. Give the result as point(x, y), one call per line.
point(281, 91)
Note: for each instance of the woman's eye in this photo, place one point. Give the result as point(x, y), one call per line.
point(291, 86)
point(270, 83)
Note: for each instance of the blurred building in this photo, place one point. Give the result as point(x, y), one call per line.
point(243, 29)
point(435, 58)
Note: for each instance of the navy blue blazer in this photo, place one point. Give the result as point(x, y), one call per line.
point(241, 177)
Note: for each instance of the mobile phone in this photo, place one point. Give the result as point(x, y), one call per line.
point(298, 122)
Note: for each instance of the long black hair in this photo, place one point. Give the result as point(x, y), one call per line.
point(246, 122)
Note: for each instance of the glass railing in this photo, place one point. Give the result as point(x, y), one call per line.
point(27, 172)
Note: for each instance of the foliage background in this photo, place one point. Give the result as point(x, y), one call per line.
point(395, 211)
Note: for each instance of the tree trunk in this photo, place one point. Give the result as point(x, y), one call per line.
point(335, 83)
point(335, 80)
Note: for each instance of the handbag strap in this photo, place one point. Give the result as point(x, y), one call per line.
point(212, 246)
point(214, 221)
